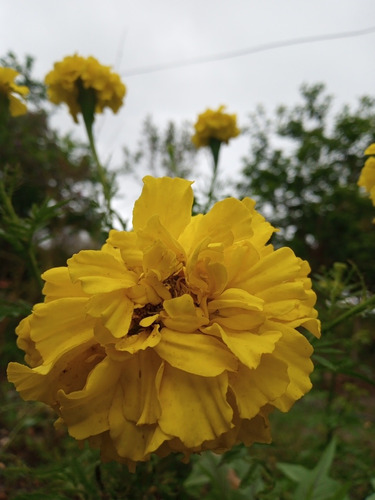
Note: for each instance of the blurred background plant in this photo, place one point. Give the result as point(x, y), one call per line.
point(302, 169)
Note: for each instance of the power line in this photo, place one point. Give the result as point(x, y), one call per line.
point(244, 52)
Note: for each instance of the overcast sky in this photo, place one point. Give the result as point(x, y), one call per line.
point(131, 35)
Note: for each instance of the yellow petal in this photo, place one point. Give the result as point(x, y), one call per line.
point(99, 272)
point(24, 342)
point(170, 199)
point(194, 408)
point(294, 350)
point(370, 150)
point(58, 284)
point(134, 442)
point(115, 309)
point(236, 298)
point(249, 347)
point(69, 373)
point(262, 385)
point(275, 268)
point(139, 342)
point(182, 315)
point(261, 229)
point(139, 383)
point(195, 353)
point(85, 412)
point(60, 325)
point(153, 232)
point(16, 107)
point(127, 242)
point(160, 260)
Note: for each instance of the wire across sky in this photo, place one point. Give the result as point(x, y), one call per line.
point(247, 51)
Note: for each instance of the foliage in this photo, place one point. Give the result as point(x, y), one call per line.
point(303, 169)
point(169, 152)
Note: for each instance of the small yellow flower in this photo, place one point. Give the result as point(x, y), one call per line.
point(7, 88)
point(214, 125)
point(178, 336)
point(75, 73)
point(367, 177)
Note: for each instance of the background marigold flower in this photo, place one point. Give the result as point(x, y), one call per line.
point(178, 336)
point(367, 177)
point(74, 73)
point(8, 87)
point(214, 125)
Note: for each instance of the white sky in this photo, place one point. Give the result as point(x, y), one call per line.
point(132, 34)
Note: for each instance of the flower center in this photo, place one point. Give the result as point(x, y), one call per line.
point(175, 285)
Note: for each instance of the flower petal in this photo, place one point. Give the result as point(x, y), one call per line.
point(139, 383)
point(85, 412)
point(115, 309)
point(194, 408)
point(182, 315)
point(56, 332)
point(175, 214)
point(127, 242)
point(236, 298)
point(99, 272)
point(139, 342)
point(249, 347)
point(58, 284)
point(195, 353)
point(294, 350)
point(262, 385)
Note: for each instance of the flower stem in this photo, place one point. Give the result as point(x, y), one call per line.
point(215, 149)
point(351, 312)
point(87, 102)
point(34, 266)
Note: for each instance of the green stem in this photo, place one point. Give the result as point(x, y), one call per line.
point(101, 171)
point(87, 102)
point(7, 203)
point(351, 312)
point(34, 266)
point(215, 149)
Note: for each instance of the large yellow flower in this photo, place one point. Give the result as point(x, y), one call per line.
point(178, 336)
point(367, 177)
point(8, 87)
point(214, 125)
point(68, 75)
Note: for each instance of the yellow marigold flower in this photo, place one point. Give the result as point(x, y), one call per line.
point(8, 88)
point(214, 125)
point(178, 336)
point(75, 72)
point(367, 177)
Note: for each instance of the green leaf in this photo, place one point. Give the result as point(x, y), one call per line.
point(316, 484)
